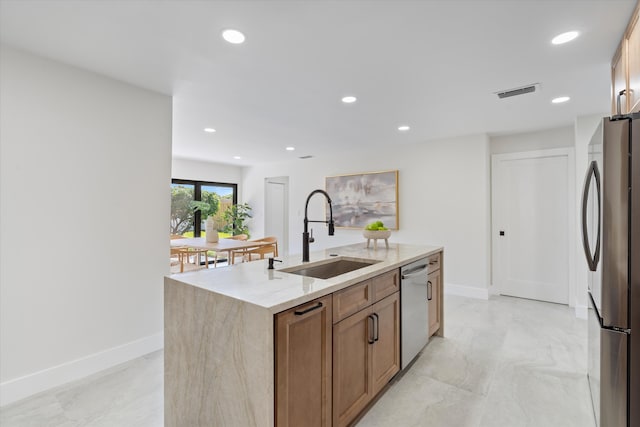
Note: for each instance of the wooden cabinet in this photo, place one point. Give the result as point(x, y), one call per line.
point(385, 358)
point(625, 69)
point(434, 285)
point(303, 338)
point(386, 284)
point(352, 347)
point(619, 81)
point(633, 62)
point(334, 355)
point(435, 298)
point(351, 300)
point(366, 348)
point(366, 355)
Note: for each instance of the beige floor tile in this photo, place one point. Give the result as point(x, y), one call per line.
point(505, 362)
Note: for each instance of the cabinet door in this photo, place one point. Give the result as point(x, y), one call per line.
point(386, 347)
point(303, 364)
point(352, 342)
point(633, 51)
point(434, 288)
point(619, 79)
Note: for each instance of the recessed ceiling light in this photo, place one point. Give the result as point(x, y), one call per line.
point(209, 130)
point(560, 99)
point(564, 37)
point(403, 128)
point(233, 36)
point(290, 148)
point(349, 99)
point(237, 157)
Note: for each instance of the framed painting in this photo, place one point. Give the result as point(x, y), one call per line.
point(362, 198)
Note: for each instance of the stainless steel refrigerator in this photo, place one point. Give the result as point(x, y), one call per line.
point(611, 238)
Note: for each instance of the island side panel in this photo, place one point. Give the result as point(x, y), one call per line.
point(440, 332)
point(218, 359)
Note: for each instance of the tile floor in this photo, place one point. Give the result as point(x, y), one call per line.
point(505, 362)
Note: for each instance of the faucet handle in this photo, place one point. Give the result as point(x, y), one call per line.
point(311, 239)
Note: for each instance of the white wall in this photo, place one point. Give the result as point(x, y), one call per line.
point(532, 141)
point(84, 201)
point(584, 128)
point(443, 198)
point(206, 171)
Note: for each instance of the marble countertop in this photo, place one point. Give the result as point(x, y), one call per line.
point(275, 290)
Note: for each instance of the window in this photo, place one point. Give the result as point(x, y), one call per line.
point(209, 197)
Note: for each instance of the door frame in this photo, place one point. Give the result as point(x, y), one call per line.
point(283, 246)
point(496, 170)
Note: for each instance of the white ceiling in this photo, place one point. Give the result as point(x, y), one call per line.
point(433, 65)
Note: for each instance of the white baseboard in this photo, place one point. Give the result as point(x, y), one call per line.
point(19, 388)
point(581, 311)
point(466, 291)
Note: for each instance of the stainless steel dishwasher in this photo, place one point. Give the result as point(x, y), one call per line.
point(414, 310)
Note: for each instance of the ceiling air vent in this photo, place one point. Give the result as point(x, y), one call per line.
point(518, 91)
point(305, 157)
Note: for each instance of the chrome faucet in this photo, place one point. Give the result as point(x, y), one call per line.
point(306, 239)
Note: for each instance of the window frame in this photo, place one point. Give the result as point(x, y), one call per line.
point(197, 196)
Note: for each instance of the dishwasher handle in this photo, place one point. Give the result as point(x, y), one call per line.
point(413, 272)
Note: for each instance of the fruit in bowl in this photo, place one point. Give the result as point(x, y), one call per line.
point(376, 230)
point(376, 226)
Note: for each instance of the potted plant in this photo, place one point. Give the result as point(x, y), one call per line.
point(235, 218)
point(208, 208)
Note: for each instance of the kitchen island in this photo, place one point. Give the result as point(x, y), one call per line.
point(221, 331)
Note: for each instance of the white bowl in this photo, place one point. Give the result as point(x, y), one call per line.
point(376, 234)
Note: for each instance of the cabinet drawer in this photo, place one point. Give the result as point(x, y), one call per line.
point(386, 284)
point(351, 300)
point(435, 261)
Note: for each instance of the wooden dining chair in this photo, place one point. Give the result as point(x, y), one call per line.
point(175, 259)
point(190, 258)
point(260, 251)
point(233, 254)
point(239, 237)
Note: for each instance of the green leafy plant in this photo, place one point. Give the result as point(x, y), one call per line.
point(235, 218)
point(377, 225)
point(208, 206)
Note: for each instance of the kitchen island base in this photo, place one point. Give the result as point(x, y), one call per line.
point(230, 340)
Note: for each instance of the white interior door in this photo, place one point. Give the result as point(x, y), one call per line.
point(532, 212)
point(277, 211)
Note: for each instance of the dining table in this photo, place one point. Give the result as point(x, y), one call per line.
point(222, 245)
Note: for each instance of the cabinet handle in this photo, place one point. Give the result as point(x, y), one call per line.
point(376, 327)
point(429, 290)
point(371, 327)
point(315, 307)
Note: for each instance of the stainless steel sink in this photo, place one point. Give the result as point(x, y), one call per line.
point(333, 268)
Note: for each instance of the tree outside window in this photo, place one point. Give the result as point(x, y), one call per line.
point(193, 201)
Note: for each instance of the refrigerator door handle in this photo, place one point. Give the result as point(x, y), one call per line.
point(592, 259)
